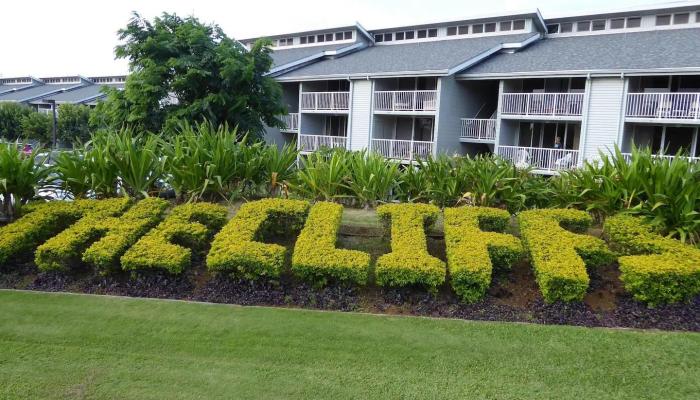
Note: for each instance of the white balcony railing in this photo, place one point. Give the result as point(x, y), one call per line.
point(325, 101)
point(309, 143)
point(542, 104)
point(628, 157)
point(291, 122)
point(405, 100)
point(479, 129)
point(540, 158)
point(402, 149)
point(663, 105)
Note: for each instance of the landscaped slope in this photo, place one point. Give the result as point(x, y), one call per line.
point(57, 346)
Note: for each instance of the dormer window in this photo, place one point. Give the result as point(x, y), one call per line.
point(410, 35)
point(583, 26)
point(433, 32)
point(451, 31)
point(422, 34)
point(634, 22)
point(683, 18)
point(553, 28)
point(566, 27)
point(506, 25)
point(400, 35)
point(662, 20)
point(598, 25)
point(478, 28)
point(617, 23)
point(379, 38)
point(490, 27)
point(518, 24)
point(463, 29)
point(339, 36)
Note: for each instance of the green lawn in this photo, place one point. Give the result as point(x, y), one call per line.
point(56, 346)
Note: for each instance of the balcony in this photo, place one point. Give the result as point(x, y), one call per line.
point(405, 150)
point(311, 143)
point(540, 159)
point(291, 123)
point(542, 105)
point(405, 101)
point(474, 129)
point(325, 101)
point(628, 157)
point(663, 106)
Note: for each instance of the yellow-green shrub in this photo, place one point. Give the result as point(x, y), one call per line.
point(39, 222)
point(655, 269)
point(60, 251)
point(409, 262)
point(560, 257)
point(238, 248)
point(122, 232)
point(472, 253)
point(168, 245)
point(315, 256)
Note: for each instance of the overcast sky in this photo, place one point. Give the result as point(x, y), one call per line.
point(69, 37)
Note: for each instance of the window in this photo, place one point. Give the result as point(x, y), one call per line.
point(617, 23)
point(518, 24)
point(599, 25)
point(422, 34)
point(490, 27)
point(553, 28)
point(348, 35)
point(410, 35)
point(432, 32)
point(566, 27)
point(464, 29)
point(379, 38)
point(451, 31)
point(663, 20)
point(312, 39)
point(583, 26)
point(302, 40)
point(339, 36)
point(399, 35)
point(634, 22)
point(681, 18)
point(321, 38)
point(478, 28)
point(388, 37)
point(329, 37)
point(697, 17)
point(506, 25)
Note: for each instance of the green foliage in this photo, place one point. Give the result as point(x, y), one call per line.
point(169, 245)
point(472, 253)
point(409, 262)
point(20, 177)
point(73, 123)
point(323, 175)
point(372, 178)
point(40, 222)
point(11, 116)
point(238, 248)
point(316, 257)
point(38, 126)
point(184, 70)
point(656, 270)
point(560, 257)
point(65, 249)
point(135, 158)
point(279, 167)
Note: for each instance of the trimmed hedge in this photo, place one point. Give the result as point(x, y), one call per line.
point(409, 262)
point(39, 222)
point(123, 232)
point(238, 248)
point(655, 269)
point(472, 253)
point(66, 248)
point(315, 256)
point(168, 246)
point(560, 257)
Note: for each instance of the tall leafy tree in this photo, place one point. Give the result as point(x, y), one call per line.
point(73, 122)
point(184, 70)
point(38, 126)
point(11, 115)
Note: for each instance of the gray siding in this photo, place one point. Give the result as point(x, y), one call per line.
point(603, 120)
point(360, 114)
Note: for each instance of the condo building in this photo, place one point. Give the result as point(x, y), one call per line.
point(543, 93)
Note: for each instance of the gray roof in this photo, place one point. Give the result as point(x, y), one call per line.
point(636, 51)
point(419, 57)
point(8, 88)
point(80, 95)
point(33, 92)
point(285, 56)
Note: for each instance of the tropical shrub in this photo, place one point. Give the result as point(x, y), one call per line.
point(73, 123)
point(66, 248)
point(238, 248)
point(472, 253)
point(39, 222)
point(316, 257)
point(279, 166)
point(654, 269)
point(323, 175)
point(169, 245)
point(37, 126)
point(409, 262)
point(559, 257)
point(11, 115)
point(20, 177)
point(372, 178)
point(136, 159)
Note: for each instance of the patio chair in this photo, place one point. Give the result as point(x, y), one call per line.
point(563, 162)
point(523, 160)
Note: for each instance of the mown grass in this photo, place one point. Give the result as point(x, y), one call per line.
point(58, 346)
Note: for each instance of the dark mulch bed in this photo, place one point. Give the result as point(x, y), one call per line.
point(514, 296)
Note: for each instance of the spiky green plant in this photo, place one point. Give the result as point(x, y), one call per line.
point(323, 175)
point(20, 177)
point(136, 158)
point(373, 178)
